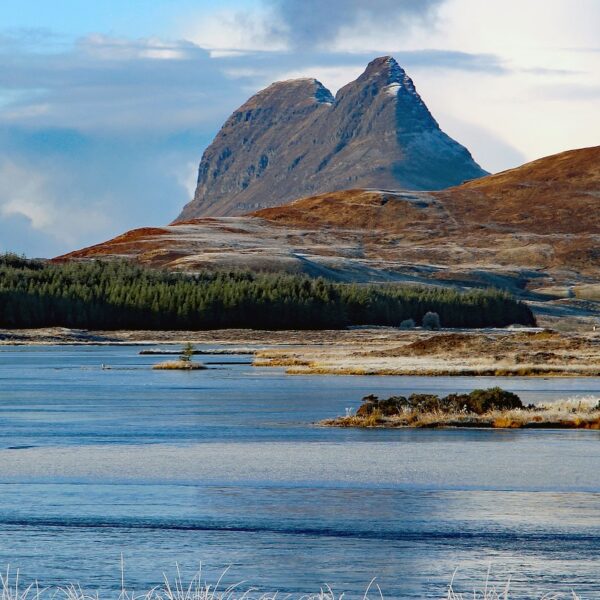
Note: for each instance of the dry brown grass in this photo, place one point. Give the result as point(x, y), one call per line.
point(572, 413)
point(178, 365)
point(477, 353)
point(374, 351)
point(280, 361)
point(311, 368)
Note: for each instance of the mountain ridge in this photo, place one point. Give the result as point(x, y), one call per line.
point(294, 138)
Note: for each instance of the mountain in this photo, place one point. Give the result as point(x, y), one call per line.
point(294, 139)
point(532, 229)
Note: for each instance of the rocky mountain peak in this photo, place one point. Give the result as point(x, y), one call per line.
point(292, 92)
point(382, 74)
point(385, 80)
point(294, 139)
point(280, 102)
point(385, 66)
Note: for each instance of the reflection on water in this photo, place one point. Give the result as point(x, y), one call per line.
point(224, 467)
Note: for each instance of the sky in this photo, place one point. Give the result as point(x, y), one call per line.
point(106, 107)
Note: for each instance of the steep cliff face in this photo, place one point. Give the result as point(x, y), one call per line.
point(295, 139)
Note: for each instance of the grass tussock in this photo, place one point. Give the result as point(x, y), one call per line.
point(174, 588)
point(178, 365)
point(171, 589)
point(492, 591)
point(285, 361)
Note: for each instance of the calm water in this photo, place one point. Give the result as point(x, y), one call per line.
point(224, 467)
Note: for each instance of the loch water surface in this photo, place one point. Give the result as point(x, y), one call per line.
point(225, 467)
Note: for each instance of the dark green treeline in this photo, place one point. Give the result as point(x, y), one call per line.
point(120, 295)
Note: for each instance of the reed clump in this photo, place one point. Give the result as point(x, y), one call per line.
point(197, 588)
point(492, 408)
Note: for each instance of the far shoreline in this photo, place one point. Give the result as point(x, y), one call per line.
point(363, 351)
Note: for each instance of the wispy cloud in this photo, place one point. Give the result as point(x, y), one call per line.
point(102, 83)
point(106, 83)
point(39, 202)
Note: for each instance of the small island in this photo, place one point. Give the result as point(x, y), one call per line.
point(492, 408)
point(183, 363)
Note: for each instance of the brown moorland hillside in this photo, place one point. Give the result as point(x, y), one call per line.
point(556, 194)
point(532, 229)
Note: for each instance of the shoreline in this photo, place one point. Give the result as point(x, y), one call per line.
point(592, 424)
point(443, 373)
point(363, 351)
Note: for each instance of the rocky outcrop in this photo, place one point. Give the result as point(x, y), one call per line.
point(294, 139)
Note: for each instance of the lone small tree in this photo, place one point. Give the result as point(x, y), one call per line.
point(431, 320)
point(187, 353)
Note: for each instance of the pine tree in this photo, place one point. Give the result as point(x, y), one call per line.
point(187, 353)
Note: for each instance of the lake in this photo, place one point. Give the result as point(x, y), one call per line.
point(226, 467)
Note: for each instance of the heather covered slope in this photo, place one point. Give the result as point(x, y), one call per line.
point(295, 139)
point(543, 216)
point(555, 194)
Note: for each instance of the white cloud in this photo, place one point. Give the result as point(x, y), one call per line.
point(229, 32)
point(26, 192)
point(524, 32)
point(332, 77)
point(110, 48)
point(110, 84)
point(187, 176)
point(22, 193)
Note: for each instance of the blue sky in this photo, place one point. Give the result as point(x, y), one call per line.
point(106, 107)
point(117, 17)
